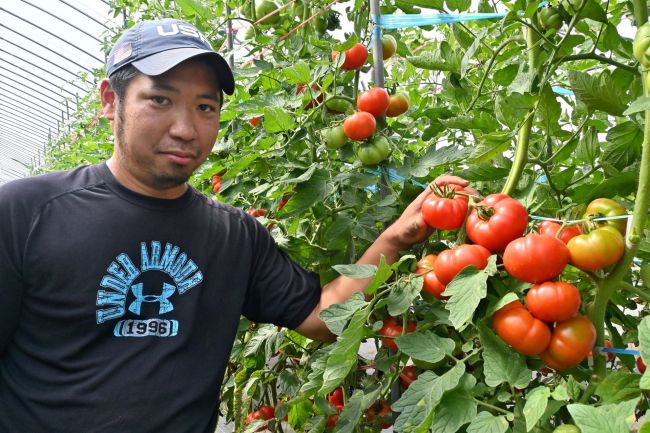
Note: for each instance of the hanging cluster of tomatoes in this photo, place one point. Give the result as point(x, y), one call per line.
point(549, 323)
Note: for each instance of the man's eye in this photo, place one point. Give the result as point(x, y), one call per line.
point(159, 99)
point(206, 108)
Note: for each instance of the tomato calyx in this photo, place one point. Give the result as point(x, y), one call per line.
point(485, 212)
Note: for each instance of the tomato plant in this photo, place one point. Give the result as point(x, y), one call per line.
point(497, 220)
point(597, 249)
point(571, 342)
point(517, 327)
point(398, 104)
point(535, 258)
point(551, 228)
point(553, 301)
point(444, 209)
point(359, 126)
point(430, 282)
point(373, 101)
point(450, 262)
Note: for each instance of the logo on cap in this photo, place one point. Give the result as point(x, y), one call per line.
point(122, 53)
point(184, 29)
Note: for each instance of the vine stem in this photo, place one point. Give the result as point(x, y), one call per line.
point(493, 407)
point(608, 285)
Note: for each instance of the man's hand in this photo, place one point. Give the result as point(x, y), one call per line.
point(410, 228)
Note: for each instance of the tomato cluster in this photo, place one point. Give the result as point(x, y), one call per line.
point(264, 413)
point(392, 329)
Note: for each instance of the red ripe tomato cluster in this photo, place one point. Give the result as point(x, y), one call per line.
point(264, 413)
point(335, 399)
point(392, 329)
point(380, 414)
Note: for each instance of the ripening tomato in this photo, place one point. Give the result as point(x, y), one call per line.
point(597, 249)
point(380, 413)
point(606, 207)
point(497, 220)
point(392, 329)
point(447, 210)
point(389, 46)
point(571, 342)
point(407, 376)
point(359, 126)
point(517, 327)
point(397, 104)
point(430, 283)
point(535, 258)
point(640, 365)
point(373, 101)
point(355, 57)
point(450, 262)
point(255, 120)
point(336, 397)
point(256, 212)
point(216, 183)
point(553, 301)
point(550, 228)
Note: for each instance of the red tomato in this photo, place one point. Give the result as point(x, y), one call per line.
point(359, 126)
point(446, 211)
point(610, 355)
point(355, 57)
point(571, 342)
point(517, 327)
point(333, 419)
point(535, 258)
point(267, 412)
point(264, 413)
point(640, 365)
point(597, 249)
point(373, 101)
point(283, 202)
point(407, 376)
point(450, 262)
point(336, 397)
point(216, 184)
point(380, 411)
point(553, 301)
point(255, 120)
point(397, 104)
point(302, 87)
point(392, 329)
point(550, 228)
point(496, 221)
point(256, 212)
point(430, 283)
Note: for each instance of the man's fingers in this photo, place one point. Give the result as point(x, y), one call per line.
point(449, 179)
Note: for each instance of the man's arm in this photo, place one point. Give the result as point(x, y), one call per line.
point(409, 229)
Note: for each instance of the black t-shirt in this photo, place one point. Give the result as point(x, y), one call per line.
point(118, 310)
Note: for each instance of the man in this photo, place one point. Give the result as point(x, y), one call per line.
point(120, 286)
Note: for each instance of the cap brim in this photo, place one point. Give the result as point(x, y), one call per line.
point(162, 62)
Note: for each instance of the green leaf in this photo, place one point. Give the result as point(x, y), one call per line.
point(278, 119)
point(470, 54)
point(523, 81)
point(560, 393)
point(308, 193)
point(588, 147)
point(343, 356)
point(642, 103)
point(458, 5)
point(402, 295)
point(594, 11)
point(466, 291)
point(354, 409)
point(435, 157)
point(512, 109)
point(444, 58)
point(303, 177)
point(624, 145)
point(644, 347)
point(483, 121)
point(608, 418)
point(490, 146)
point(425, 346)
point(501, 363)
point(483, 172)
point(485, 422)
point(356, 271)
point(618, 386)
point(645, 428)
point(431, 4)
point(456, 408)
point(597, 92)
point(337, 234)
point(417, 404)
point(318, 363)
point(535, 406)
point(336, 316)
point(384, 272)
point(505, 75)
point(621, 184)
point(549, 110)
point(297, 74)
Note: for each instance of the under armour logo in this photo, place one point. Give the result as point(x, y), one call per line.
point(165, 305)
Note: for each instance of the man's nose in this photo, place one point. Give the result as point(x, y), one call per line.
point(183, 125)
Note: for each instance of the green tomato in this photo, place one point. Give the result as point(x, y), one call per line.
point(549, 18)
point(566, 428)
point(334, 137)
point(571, 6)
point(641, 46)
point(266, 7)
point(340, 106)
point(374, 152)
point(320, 22)
point(298, 9)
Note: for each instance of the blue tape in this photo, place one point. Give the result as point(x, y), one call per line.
point(562, 91)
point(619, 351)
point(393, 21)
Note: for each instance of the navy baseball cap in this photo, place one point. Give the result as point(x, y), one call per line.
point(154, 47)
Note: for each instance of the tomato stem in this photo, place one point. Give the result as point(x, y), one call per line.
point(494, 408)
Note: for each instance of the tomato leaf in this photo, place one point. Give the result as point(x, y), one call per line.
point(356, 271)
point(402, 295)
point(425, 346)
point(549, 111)
point(343, 356)
point(588, 147)
point(336, 316)
point(535, 406)
point(485, 422)
point(265, 337)
point(512, 109)
point(598, 92)
point(297, 74)
point(277, 119)
point(644, 346)
point(624, 143)
point(417, 404)
point(501, 363)
point(618, 386)
point(642, 103)
point(466, 291)
point(354, 408)
point(608, 418)
point(318, 363)
point(307, 193)
point(431, 4)
point(456, 408)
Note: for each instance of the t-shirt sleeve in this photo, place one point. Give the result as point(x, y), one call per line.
point(280, 291)
point(13, 226)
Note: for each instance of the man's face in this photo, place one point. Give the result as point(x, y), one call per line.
point(165, 128)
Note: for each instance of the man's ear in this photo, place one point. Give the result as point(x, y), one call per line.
point(109, 99)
